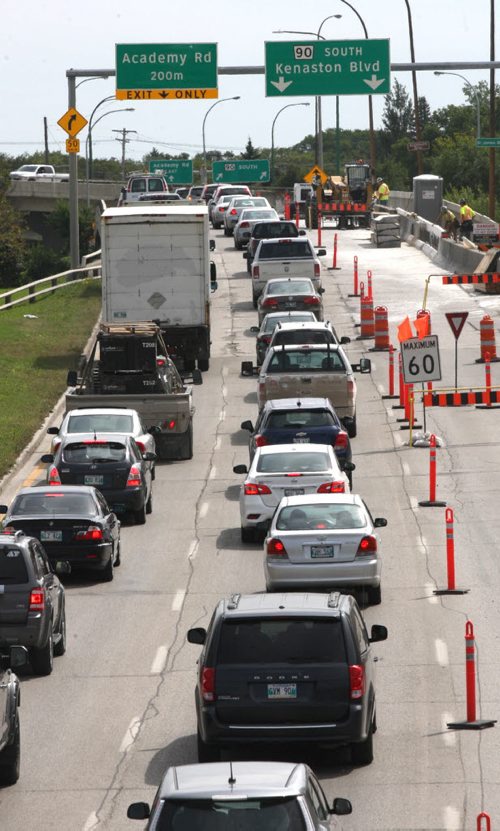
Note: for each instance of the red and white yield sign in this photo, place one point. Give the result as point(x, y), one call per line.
point(457, 322)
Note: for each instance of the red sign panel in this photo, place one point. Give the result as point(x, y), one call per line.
point(457, 322)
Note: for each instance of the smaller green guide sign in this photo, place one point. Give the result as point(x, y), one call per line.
point(241, 170)
point(175, 171)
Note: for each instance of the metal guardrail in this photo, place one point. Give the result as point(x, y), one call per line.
point(56, 281)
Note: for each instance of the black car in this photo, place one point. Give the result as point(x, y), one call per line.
point(271, 320)
point(113, 464)
point(73, 522)
point(10, 700)
point(270, 229)
point(300, 421)
point(32, 603)
point(286, 668)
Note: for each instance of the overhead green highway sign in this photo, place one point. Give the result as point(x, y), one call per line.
point(241, 170)
point(175, 171)
point(327, 67)
point(166, 70)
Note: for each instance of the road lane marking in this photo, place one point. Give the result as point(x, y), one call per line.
point(213, 471)
point(131, 734)
point(35, 473)
point(218, 443)
point(432, 598)
point(441, 652)
point(193, 550)
point(224, 391)
point(222, 415)
point(225, 369)
point(178, 600)
point(414, 503)
point(92, 821)
point(406, 469)
point(451, 818)
point(380, 389)
point(203, 510)
point(449, 736)
point(159, 660)
point(398, 440)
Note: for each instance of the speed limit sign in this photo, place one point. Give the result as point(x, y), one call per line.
point(420, 357)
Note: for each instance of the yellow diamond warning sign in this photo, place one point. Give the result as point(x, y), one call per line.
point(315, 172)
point(72, 122)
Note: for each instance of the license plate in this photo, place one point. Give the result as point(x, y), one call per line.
point(50, 536)
point(301, 441)
point(294, 491)
point(282, 691)
point(321, 551)
point(289, 305)
point(93, 480)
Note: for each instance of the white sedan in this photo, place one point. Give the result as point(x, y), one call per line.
point(104, 420)
point(283, 470)
point(324, 541)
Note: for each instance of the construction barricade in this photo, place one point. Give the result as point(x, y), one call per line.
point(487, 340)
point(381, 331)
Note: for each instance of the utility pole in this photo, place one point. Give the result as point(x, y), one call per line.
point(491, 176)
point(124, 140)
point(46, 139)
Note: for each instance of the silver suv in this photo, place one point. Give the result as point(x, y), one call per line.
point(242, 795)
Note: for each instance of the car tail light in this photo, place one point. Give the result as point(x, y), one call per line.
point(260, 440)
point(94, 441)
point(255, 272)
point(141, 446)
point(37, 600)
point(222, 208)
point(134, 477)
point(356, 681)
point(271, 301)
point(169, 425)
point(317, 271)
point(93, 532)
point(367, 546)
point(275, 548)
point(208, 683)
point(311, 301)
point(233, 212)
point(244, 225)
point(265, 339)
point(255, 489)
point(342, 440)
point(54, 478)
point(294, 474)
point(332, 487)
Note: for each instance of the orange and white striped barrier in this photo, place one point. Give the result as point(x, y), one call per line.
point(381, 331)
point(367, 316)
point(450, 556)
point(487, 339)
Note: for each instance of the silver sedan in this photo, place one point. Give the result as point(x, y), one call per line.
point(324, 541)
point(284, 470)
point(247, 219)
point(286, 294)
point(237, 205)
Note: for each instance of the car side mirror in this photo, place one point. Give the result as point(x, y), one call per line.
point(62, 567)
point(380, 522)
point(138, 810)
point(302, 233)
point(149, 457)
point(72, 378)
point(344, 339)
point(321, 252)
point(365, 365)
point(18, 657)
point(212, 245)
point(247, 425)
point(4, 509)
point(53, 431)
point(47, 458)
point(245, 255)
point(378, 633)
point(255, 330)
point(240, 469)
point(197, 377)
point(197, 635)
point(321, 291)
point(349, 466)
point(341, 807)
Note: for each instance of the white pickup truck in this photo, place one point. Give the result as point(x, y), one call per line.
point(38, 173)
point(287, 257)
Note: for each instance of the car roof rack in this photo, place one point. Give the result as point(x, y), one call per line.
point(233, 601)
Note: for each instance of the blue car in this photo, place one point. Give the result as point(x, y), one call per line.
point(302, 421)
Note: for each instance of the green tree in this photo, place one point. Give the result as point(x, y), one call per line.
point(398, 118)
point(12, 245)
point(250, 151)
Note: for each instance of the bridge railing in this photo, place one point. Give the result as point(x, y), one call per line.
point(47, 285)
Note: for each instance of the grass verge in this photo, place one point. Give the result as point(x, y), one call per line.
point(35, 356)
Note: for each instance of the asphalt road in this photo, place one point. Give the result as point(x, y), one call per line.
point(118, 708)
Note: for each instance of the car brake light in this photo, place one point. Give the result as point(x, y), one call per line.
point(169, 425)
point(141, 446)
point(332, 487)
point(342, 439)
point(93, 532)
point(134, 477)
point(94, 441)
point(222, 208)
point(254, 489)
point(208, 684)
point(311, 301)
point(275, 548)
point(244, 225)
point(260, 441)
point(294, 474)
point(255, 272)
point(317, 271)
point(54, 478)
point(271, 301)
point(367, 546)
point(37, 600)
point(233, 212)
point(356, 681)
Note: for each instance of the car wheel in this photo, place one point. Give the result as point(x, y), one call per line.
point(149, 503)
point(254, 300)
point(247, 534)
point(362, 752)
point(118, 554)
point(140, 515)
point(352, 427)
point(42, 660)
point(60, 646)
point(249, 267)
point(238, 245)
point(107, 573)
point(375, 595)
point(207, 752)
point(10, 759)
point(226, 232)
point(203, 364)
point(349, 479)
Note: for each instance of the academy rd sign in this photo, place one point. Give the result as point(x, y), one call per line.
point(175, 71)
point(327, 67)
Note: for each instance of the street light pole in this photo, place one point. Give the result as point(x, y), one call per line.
point(476, 96)
point(88, 140)
point(420, 158)
point(220, 101)
point(89, 135)
point(301, 104)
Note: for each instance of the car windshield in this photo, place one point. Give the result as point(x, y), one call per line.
point(249, 814)
point(53, 502)
point(100, 423)
point(288, 462)
point(320, 516)
point(284, 250)
point(274, 230)
point(281, 641)
point(270, 322)
point(250, 215)
point(243, 201)
point(12, 566)
point(304, 360)
point(88, 451)
point(302, 336)
point(294, 419)
point(289, 287)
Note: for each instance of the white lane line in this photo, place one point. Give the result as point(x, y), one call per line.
point(178, 600)
point(213, 471)
point(406, 469)
point(159, 660)
point(224, 391)
point(398, 440)
point(203, 510)
point(449, 736)
point(380, 389)
point(441, 652)
point(414, 503)
point(225, 371)
point(193, 550)
point(374, 365)
point(451, 818)
point(92, 821)
point(218, 443)
point(389, 411)
point(222, 415)
point(432, 598)
point(131, 734)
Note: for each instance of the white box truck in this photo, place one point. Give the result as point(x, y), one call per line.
point(156, 266)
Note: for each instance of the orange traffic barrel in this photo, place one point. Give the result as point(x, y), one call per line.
point(382, 342)
point(367, 317)
point(487, 336)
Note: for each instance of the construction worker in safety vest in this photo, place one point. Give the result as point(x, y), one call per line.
point(466, 217)
point(382, 193)
point(449, 221)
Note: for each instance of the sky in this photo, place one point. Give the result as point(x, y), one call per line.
point(40, 41)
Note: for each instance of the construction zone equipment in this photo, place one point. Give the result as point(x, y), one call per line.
point(487, 340)
point(382, 342)
point(367, 316)
point(346, 199)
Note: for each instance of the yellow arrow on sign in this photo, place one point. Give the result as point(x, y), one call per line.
point(316, 171)
point(72, 122)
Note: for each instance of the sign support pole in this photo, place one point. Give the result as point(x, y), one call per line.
point(74, 232)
